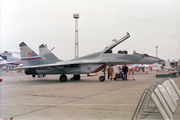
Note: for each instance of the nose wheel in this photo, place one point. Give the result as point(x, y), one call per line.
point(102, 78)
point(63, 78)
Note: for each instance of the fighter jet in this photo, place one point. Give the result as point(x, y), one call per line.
point(4, 62)
point(34, 64)
point(8, 56)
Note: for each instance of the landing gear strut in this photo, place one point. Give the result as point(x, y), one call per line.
point(63, 78)
point(102, 78)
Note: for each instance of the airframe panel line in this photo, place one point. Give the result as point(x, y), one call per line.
point(167, 98)
point(163, 103)
point(175, 86)
point(159, 106)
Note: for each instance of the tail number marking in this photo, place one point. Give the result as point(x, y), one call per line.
point(35, 62)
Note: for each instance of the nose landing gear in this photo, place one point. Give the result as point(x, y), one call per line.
point(63, 78)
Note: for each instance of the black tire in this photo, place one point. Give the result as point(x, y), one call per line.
point(77, 77)
point(101, 78)
point(63, 78)
point(44, 75)
point(33, 75)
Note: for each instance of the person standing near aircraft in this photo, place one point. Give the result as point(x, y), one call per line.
point(108, 71)
point(125, 71)
point(111, 72)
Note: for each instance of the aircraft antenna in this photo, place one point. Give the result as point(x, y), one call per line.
point(76, 17)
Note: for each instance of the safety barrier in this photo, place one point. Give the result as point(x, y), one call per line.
point(160, 98)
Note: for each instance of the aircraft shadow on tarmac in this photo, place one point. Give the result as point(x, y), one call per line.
point(49, 81)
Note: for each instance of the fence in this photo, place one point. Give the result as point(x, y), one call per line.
point(159, 99)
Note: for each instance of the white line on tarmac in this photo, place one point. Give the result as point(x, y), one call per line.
point(71, 104)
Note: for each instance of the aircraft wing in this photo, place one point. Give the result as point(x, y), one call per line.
point(11, 63)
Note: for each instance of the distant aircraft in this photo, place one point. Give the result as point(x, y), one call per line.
point(4, 62)
point(8, 56)
point(34, 64)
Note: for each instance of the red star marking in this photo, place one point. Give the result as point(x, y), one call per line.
point(29, 53)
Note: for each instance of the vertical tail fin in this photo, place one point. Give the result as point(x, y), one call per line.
point(25, 51)
point(46, 54)
point(28, 56)
point(2, 60)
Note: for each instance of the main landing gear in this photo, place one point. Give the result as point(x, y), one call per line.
point(76, 77)
point(63, 77)
point(39, 75)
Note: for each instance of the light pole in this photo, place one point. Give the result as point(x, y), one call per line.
point(156, 50)
point(76, 17)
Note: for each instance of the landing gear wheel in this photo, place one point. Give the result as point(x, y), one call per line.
point(33, 75)
point(63, 78)
point(101, 78)
point(77, 77)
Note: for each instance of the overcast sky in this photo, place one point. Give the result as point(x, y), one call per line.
point(149, 22)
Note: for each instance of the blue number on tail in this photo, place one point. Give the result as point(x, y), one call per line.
point(35, 62)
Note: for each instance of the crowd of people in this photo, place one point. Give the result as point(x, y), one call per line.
point(10, 68)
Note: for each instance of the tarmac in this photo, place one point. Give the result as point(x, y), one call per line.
point(25, 98)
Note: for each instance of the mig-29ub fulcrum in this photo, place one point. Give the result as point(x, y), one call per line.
point(92, 63)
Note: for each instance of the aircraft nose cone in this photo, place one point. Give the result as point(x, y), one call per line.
point(161, 60)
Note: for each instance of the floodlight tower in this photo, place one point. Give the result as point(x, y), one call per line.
point(156, 50)
point(76, 17)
